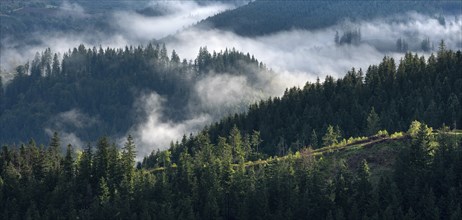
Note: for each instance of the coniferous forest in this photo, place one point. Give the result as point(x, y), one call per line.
point(232, 177)
point(84, 129)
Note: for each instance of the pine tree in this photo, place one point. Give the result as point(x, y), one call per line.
point(235, 140)
point(363, 188)
point(373, 122)
point(56, 69)
point(314, 139)
point(68, 164)
point(104, 194)
point(331, 137)
point(54, 153)
point(128, 159)
point(175, 58)
point(101, 159)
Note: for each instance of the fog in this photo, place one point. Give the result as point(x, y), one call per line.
point(295, 57)
point(155, 133)
point(140, 28)
point(306, 55)
point(126, 28)
point(66, 122)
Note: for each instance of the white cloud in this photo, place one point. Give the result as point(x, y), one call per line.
point(155, 132)
point(183, 14)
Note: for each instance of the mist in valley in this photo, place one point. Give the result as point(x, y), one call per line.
point(293, 57)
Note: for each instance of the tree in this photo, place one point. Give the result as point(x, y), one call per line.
point(331, 137)
point(56, 69)
point(175, 58)
point(373, 122)
point(314, 139)
point(101, 160)
point(454, 109)
point(425, 45)
point(128, 158)
point(235, 140)
point(163, 54)
point(225, 150)
point(104, 194)
point(401, 45)
point(54, 152)
point(68, 164)
point(128, 164)
point(256, 140)
point(85, 167)
point(363, 188)
point(337, 38)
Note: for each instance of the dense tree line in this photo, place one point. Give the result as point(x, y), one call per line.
point(386, 96)
point(104, 84)
point(101, 182)
point(262, 17)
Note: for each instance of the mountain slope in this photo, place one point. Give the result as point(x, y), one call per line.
point(262, 17)
point(93, 92)
point(378, 176)
point(387, 96)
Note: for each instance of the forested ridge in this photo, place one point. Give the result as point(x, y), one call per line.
point(387, 96)
point(101, 86)
point(262, 17)
point(417, 176)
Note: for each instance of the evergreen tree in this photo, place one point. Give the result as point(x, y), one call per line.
point(235, 140)
point(373, 122)
point(101, 160)
point(56, 69)
point(314, 139)
point(331, 137)
point(68, 164)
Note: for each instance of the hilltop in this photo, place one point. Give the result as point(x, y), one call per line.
point(263, 17)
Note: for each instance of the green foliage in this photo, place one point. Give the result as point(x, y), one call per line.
point(331, 136)
point(204, 186)
point(388, 96)
point(373, 122)
point(397, 135)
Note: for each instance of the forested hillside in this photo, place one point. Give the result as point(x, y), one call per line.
point(386, 96)
point(262, 17)
point(415, 176)
point(92, 91)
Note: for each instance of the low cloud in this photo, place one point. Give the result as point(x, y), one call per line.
point(303, 55)
point(128, 28)
point(72, 9)
point(154, 131)
point(183, 14)
point(69, 122)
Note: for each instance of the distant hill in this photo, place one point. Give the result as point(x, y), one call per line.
point(98, 88)
point(262, 17)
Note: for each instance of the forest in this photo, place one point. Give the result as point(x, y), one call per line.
point(105, 83)
point(388, 96)
point(160, 110)
point(231, 170)
point(101, 182)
